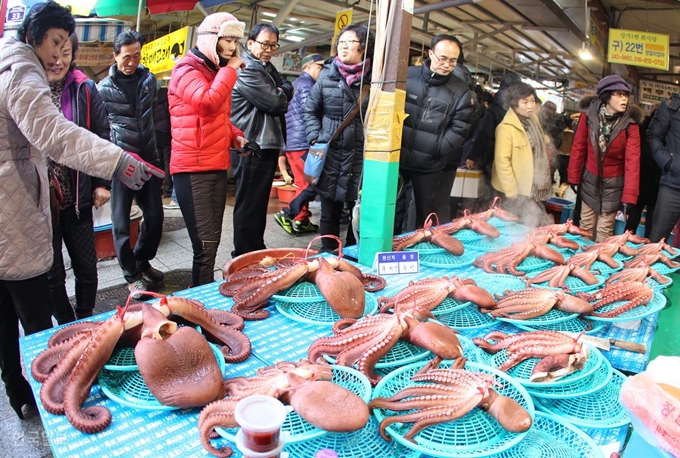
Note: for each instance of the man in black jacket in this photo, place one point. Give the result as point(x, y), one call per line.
point(259, 103)
point(664, 141)
point(129, 95)
point(440, 110)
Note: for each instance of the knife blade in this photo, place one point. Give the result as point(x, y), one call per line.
point(606, 344)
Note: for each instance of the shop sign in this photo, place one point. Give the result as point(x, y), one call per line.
point(641, 49)
point(161, 55)
point(95, 56)
point(397, 262)
point(654, 92)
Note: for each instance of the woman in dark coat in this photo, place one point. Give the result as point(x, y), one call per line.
point(336, 92)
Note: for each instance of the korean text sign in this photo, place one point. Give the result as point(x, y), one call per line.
point(642, 49)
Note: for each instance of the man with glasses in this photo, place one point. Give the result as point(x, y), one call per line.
point(440, 109)
point(259, 104)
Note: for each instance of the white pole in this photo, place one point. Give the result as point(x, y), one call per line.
point(139, 15)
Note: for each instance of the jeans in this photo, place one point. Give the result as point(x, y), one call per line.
point(664, 220)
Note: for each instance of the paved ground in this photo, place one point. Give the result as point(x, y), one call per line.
point(27, 438)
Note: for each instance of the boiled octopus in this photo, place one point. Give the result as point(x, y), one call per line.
point(651, 259)
point(428, 293)
point(507, 259)
point(450, 395)
point(639, 274)
point(586, 259)
point(534, 302)
point(362, 343)
point(560, 354)
point(72, 361)
point(633, 293)
point(495, 210)
point(654, 248)
point(627, 236)
point(557, 276)
point(436, 235)
point(303, 385)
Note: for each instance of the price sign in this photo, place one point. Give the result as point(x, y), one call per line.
point(398, 262)
point(642, 49)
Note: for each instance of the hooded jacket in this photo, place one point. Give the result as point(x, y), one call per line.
point(439, 112)
point(606, 182)
point(132, 126)
point(259, 103)
point(664, 140)
point(200, 108)
point(328, 103)
point(81, 103)
point(30, 128)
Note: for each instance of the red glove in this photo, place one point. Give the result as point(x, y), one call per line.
point(133, 171)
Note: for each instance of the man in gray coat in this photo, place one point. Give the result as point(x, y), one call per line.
point(31, 127)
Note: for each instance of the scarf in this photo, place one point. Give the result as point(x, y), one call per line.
point(607, 123)
point(352, 73)
point(542, 185)
point(61, 172)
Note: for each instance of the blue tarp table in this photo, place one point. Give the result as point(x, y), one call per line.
point(135, 432)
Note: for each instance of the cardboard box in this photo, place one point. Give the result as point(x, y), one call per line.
point(467, 183)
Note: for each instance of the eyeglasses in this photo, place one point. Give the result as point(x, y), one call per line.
point(621, 94)
point(451, 62)
point(268, 46)
point(347, 43)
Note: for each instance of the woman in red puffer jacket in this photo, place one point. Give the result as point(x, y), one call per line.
point(202, 135)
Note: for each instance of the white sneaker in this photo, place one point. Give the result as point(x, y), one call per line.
point(137, 289)
point(172, 205)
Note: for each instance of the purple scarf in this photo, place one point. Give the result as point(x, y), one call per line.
point(352, 73)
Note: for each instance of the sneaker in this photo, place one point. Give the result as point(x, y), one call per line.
point(303, 227)
point(136, 288)
point(172, 205)
point(285, 222)
point(153, 275)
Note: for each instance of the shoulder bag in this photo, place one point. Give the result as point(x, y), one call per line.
point(316, 156)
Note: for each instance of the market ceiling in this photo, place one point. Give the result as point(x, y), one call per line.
point(538, 38)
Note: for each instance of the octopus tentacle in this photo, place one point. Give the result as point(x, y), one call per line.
point(69, 331)
point(217, 414)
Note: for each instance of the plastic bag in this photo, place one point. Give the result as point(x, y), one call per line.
point(652, 400)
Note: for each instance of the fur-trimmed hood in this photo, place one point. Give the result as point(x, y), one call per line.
point(634, 111)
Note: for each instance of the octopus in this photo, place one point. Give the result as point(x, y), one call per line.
point(557, 276)
point(560, 354)
point(303, 385)
point(633, 294)
point(428, 293)
point(495, 210)
point(650, 259)
point(362, 343)
point(442, 395)
point(627, 236)
point(436, 235)
point(639, 274)
point(568, 227)
point(654, 248)
point(340, 283)
point(586, 259)
point(507, 259)
point(74, 357)
point(533, 302)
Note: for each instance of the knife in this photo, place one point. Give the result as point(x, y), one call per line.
point(606, 344)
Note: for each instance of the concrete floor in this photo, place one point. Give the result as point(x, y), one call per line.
point(27, 438)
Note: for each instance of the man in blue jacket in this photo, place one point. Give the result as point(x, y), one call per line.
point(664, 141)
point(439, 107)
point(294, 219)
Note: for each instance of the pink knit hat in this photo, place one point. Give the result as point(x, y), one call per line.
point(212, 28)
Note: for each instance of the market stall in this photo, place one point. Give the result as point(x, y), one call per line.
point(580, 411)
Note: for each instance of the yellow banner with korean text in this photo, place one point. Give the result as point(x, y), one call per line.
point(641, 49)
point(161, 55)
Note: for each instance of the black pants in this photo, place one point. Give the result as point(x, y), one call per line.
point(134, 261)
point(427, 194)
point(29, 302)
point(330, 223)
point(77, 233)
point(562, 166)
point(202, 198)
point(647, 198)
point(254, 176)
point(665, 220)
point(447, 206)
point(300, 201)
point(163, 141)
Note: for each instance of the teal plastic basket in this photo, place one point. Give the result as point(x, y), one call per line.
point(573, 284)
point(656, 285)
point(522, 371)
point(553, 316)
point(657, 303)
point(498, 283)
point(129, 389)
point(551, 437)
point(587, 385)
point(497, 222)
point(300, 430)
point(513, 229)
point(446, 260)
point(467, 318)
point(598, 410)
point(362, 443)
point(604, 269)
point(532, 263)
point(320, 312)
point(488, 244)
point(467, 235)
point(476, 434)
point(663, 269)
point(303, 291)
point(579, 324)
point(427, 248)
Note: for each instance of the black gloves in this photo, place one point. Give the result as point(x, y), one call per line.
point(133, 171)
